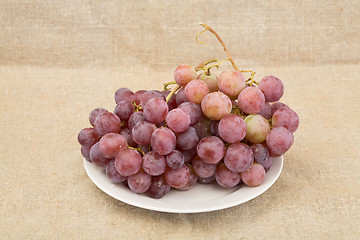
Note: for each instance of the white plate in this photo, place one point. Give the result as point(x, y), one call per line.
point(201, 198)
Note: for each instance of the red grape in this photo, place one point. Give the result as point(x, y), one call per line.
point(124, 94)
point(183, 74)
point(251, 100)
point(211, 149)
point(154, 164)
point(139, 182)
point(155, 110)
point(196, 90)
point(279, 140)
point(111, 144)
point(135, 118)
point(124, 109)
point(254, 176)
point(192, 180)
point(128, 162)
point(175, 159)
point(231, 83)
point(272, 87)
point(177, 178)
point(266, 111)
point(142, 131)
point(178, 120)
point(94, 113)
point(113, 174)
point(238, 157)
point(158, 187)
point(163, 141)
point(261, 152)
point(145, 97)
point(97, 157)
point(88, 137)
point(225, 177)
point(287, 118)
point(193, 110)
point(203, 169)
point(232, 128)
point(107, 122)
point(215, 105)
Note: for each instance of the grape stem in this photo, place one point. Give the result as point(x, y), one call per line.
point(202, 65)
point(172, 92)
point(137, 149)
point(167, 84)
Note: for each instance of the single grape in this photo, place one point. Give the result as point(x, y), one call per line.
point(257, 128)
point(163, 141)
point(266, 111)
point(107, 122)
point(232, 128)
point(231, 83)
point(139, 182)
point(124, 94)
point(155, 110)
point(183, 74)
point(113, 174)
point(238, 157)
point(216, 105)
point(124, 109)
point(188, 154)
point(192, 180)
point(142, 131)
point(145, 97)
point(251, 100)
point(138, 94)
point(272, 87)
point(126, 133)
point(261, 152)
point(287, 118)
point(172, 101)
point(154, 164)
point(225, 177)
point(206, 180)
point(254, 176)
point(111, 144)
point(279, 140)
point(214, 128)
point(210, 80)
point(203, 169)
point(203, 128)
point(88, 137)
point(158, 188)
point(177, 178)
point(267, 163)
point(175, 159)
point(193, 110)
point(128, 162)
point(97, 157)
point(94, 113)
point(135, 118)
point(276, 106)
point(196, 90)
point(178, 120)
point(181, 96)
point(85, 152)
point(211, 149)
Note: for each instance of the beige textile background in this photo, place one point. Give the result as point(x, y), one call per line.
point(61, 59)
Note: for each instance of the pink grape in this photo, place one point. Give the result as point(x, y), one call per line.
point(214, 128)
point(175, 159)
point(216, 105)
point(287, 118)
point(272, 87)
point(155, 110)
point(163, 141)
point(177, 178)
point(94, 113)
point(266, 111)
point(145, 97)
point(142, 131)
point(135, 118)
point(276, 106)
point(196, 90)
point(107, 122)
point(225, 177)
point(124, 109)
point(154, 164)
point(211, 81)
point(88, 137)
point(158, 188)
point(267, 163)
point(232, 128)
point(192, 180)
point(211, 149)
point(251, 100)
point(279, 140)
point(188, 154)
point(172, 101)
point(138, 94)
point(111, 144)
point(260, 151)
point(203, 169)
point(257, 128)
point(128, 162)
point(193, 110)
point(203, 128)
point(126, 133)
point(124, 94)
point(238, 157)
point(113, 174)
point(206, 180)
point(183, 74)
point(97, 157)
point(178, 120)
point(181, 96)
point(254, 176)
point(85, 152)
point(139, 182)
point(231, 83)
point(187, 140)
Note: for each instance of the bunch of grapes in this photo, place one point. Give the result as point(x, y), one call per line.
point(209, 128)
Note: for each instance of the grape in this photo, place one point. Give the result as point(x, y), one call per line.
point(183, 74)
point(287, 118)
point(85, 152)
point(124, 94)
point(163, 141)
point(155, 110)
point(145, 97)
point(154, 164)
point(214, 128)
point(257, 128)
point(178, 120)
point(177, 178)
point(172, 101)
point(251, 100)
point(203, 169)
point(196, 90)
point(145, 149)
point(88, 137)
point(231, 83)
point(138, 94)
point(261, 152)
point(140, 182)
point(215, 105)
point(193, 110)
point(211, 81)
point(211, 149)
point(266, 111)
point(181, 97)
point(175, 159)
point(192, 180)
point(238, 157)
point(94, 113)
point(97, 157)
point(124, 109)
point(267, 163)
point(232, 128)
point(254, 176)
point(111, 144)
point(142, 131)
point(279, 140)
point(188, 154)
point(277, 106)
point(135, 118)
point(107, 122)
point(272, 87)
point(206, 180)
point(126, 133)
point(113, 174)
point(202, 128)
point(128, 162)
point(158, 188)
point(225, 177)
